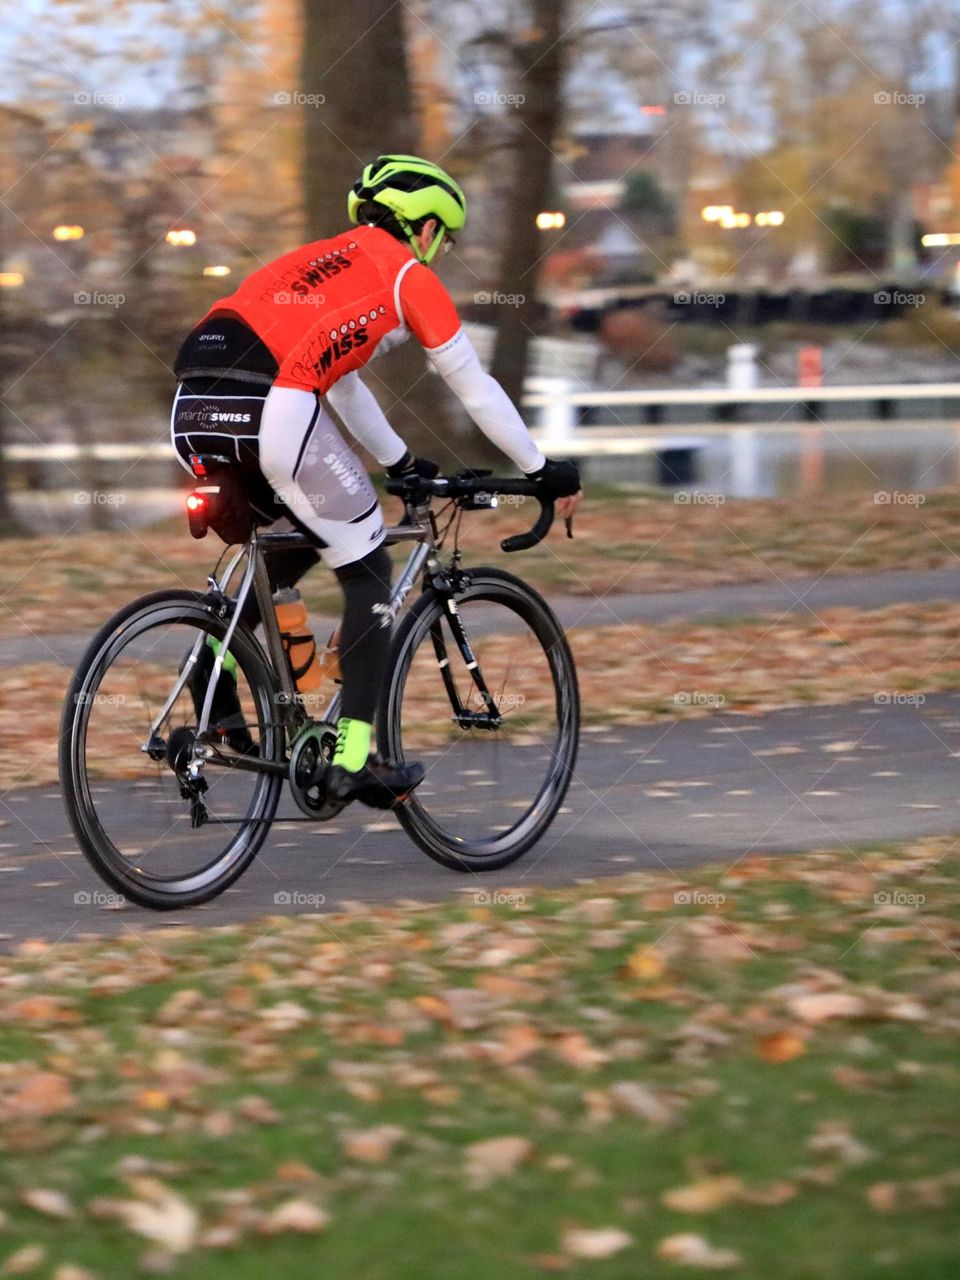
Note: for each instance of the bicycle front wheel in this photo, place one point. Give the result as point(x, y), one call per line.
point(151, 664)
point(496, 724)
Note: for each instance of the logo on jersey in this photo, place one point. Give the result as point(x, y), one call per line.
point(230, 417)
point(301, 277)
point(347, 336)
point(317, 270)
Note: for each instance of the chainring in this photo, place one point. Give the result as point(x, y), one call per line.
point(310, 754)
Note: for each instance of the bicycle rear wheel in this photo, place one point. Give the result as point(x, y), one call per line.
point(498, 737)
point(126, 806)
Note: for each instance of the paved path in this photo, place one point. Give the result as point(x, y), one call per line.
point(672, 795)
point(862, 590)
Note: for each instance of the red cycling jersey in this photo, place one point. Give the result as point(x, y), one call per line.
point(327, 308)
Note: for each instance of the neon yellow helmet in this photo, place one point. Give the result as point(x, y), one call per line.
point(412, 189)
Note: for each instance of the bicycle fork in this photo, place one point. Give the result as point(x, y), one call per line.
point(489, 717)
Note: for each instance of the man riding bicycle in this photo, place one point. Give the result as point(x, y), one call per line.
point(258, 373)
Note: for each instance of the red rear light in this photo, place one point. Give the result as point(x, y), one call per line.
point(197, 514)
point(197, 464)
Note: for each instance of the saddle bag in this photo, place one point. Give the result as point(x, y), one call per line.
point(220, 502)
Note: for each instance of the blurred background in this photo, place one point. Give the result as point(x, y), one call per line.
point(678, 211)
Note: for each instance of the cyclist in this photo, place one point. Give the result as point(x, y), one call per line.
point(261, 371)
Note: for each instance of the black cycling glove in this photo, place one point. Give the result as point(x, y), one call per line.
point(408, 465)
point(558, 479)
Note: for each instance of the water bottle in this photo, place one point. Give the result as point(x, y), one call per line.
point(298, 641)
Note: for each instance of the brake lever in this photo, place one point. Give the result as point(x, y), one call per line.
point(568, 524)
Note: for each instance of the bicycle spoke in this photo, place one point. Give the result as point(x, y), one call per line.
point(139, 822)
point(496, 739)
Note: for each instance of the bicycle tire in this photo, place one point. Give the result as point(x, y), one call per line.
point(164, 894)
point(490, 853)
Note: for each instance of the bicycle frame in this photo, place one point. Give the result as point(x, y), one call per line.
point(420, 529)
point(419, 556)
point(255, 579)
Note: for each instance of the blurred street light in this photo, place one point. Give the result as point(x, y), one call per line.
point(68, 233)
point(181, 236)
point(732, 221)
point(218, 270)
point(11, 279)
point(940, 239)
point(551, 221)
point(729, 219)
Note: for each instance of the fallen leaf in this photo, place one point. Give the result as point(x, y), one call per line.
point(23, 1260)
point(775, 1193)
point(495, 1158)
point(819, 1006)
point(172, 1011)
point(882, 1197)
point(296, 1171)
point(295, 1215)
point(636, 1099)
point(903, 1010)
point(285, 1016)
point(465, 1008)
point(645, 962)
point(40, 1009)
point(852, 1078)
point(42, 1094)
point(218, 1124)
point(781, 1046)
point(600, 1242)
point(161, 1215)
point(835, 1139)
point(518, 1042)
point(576, 1051)
point(693, 1251)
point(372, 1145)
point(259, 1110)
point(152, 1099)
point(704, 1196)
point(44, 1200)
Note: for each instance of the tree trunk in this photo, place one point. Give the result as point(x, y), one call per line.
point(541, 61)
point(366, 101)
point(366, 109)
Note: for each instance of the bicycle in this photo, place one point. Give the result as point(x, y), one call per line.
point(170, 807)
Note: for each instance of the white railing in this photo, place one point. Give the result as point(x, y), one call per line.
point(67, 452)
point(556, 400)
point(756, 395)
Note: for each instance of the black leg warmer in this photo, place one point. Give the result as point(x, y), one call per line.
point(365, 633)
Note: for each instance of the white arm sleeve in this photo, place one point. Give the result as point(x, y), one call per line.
point(364, 419)
point(486, 401)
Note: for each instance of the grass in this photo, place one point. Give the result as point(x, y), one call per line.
point(625, 541)
point(637, 1038)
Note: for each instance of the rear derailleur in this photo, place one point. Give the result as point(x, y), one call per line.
point(193, 785)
